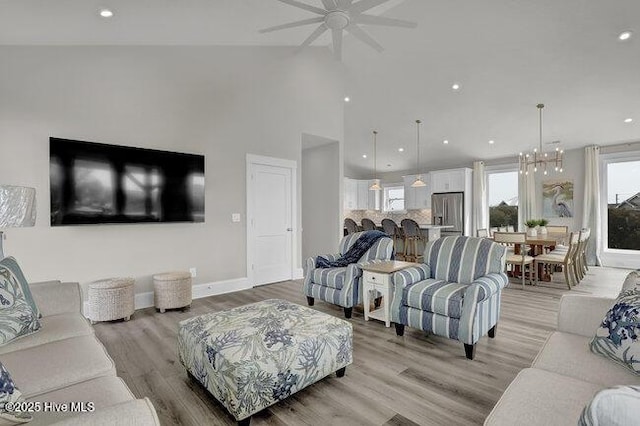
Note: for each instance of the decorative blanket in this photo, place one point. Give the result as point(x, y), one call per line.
point(357, 250)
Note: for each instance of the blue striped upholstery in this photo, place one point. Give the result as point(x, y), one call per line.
point(342, 286)
point(437, 296)
point(330, 277)
point(456, 292)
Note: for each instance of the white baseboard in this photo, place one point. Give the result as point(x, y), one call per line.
point(145, 300)
point(298, 274)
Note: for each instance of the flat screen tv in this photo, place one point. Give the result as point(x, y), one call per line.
point(95, 183)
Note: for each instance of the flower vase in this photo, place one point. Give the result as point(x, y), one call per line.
point(531, 232)
point(543, 230)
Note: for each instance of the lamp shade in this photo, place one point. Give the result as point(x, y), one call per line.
point(17, 206)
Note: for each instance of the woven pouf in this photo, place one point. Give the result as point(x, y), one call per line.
point(111, 299)
point(172, 290)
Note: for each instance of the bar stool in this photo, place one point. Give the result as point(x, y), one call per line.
point(368, 225)
point(391, 228)
point(413, 241)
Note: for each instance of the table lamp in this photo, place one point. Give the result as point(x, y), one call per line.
point(17, 209)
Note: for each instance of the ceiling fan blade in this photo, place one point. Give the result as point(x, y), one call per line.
point(304, 6)
point(344, 4)
point(337, 44)
point(314, 35)
point(364, 5)
point(364, 37)
point(385, 22)
point(292, 24)
point(329, 4)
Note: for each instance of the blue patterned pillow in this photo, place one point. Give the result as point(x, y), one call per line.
point(9, 267)
point(9, 393)
point(17, 316)
point(619, 406)
point(618, 335)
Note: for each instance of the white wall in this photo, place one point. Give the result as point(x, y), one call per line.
point(321, 208)
point(222, 102)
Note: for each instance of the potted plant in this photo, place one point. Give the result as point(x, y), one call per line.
point(542, 226)
point(531, 227)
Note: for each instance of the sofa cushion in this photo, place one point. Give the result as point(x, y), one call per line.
point(102, 392)
point(18, 317)
point(55, 365)
point(9, 394)
point(619, 406)
point(539, 397)
point(437, 296)
point(618, 337)
point(569, 355)
point(632, 281)
point(55, 327)
point(330, 277)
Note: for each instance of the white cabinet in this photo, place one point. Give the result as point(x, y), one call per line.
point(417, 198)
point(358, 196)
point(449, 180)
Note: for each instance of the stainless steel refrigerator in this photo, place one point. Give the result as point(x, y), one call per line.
point(448, 209)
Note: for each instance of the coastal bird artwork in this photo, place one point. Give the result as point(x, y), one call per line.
point(558, 199)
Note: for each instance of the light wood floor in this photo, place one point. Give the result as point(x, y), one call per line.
point(415, 379)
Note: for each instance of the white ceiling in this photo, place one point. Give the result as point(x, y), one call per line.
point(508, 55)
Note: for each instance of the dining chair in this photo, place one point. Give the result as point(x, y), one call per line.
point(351, 226)
point(581, 254)
point(522, 259)
point(393, 230)
point(510, 228)
point(414, 241)
point(483, 233)
point(493, 230)
point(565, 259)
point(557, 229)
point(503, 229)
point(368, 225)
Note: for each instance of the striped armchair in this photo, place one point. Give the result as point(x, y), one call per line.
point(455, 293)
point(342, 286)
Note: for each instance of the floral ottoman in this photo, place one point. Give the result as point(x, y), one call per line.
point(253, 356)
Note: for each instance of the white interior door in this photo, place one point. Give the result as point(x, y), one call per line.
point(271, 223)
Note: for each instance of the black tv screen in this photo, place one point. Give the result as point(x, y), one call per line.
point(94, 183)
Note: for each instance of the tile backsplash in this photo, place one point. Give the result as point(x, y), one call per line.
point(420, 216)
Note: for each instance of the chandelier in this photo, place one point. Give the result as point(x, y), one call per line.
point(539, 159)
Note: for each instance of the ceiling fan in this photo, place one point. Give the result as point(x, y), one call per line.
point(339, 16)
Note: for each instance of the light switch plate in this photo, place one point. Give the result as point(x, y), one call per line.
point(235, 217)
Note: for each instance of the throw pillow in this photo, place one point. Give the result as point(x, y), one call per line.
point(617, 336)
point(9, 267)
point(9, 395)
point(632, 281)
point(618, 406)
point(17, 316)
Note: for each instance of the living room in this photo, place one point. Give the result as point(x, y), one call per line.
point(200, 79)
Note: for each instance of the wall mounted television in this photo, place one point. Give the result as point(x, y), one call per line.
point(95, 183)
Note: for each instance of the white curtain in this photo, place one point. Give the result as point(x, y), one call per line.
point(591, 217)
point(479, 197)
point(527, 208)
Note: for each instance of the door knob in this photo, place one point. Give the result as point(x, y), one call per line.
point(289, 229)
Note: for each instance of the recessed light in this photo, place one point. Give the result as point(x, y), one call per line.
point(625, 35)
point(628, 120)
point(446, 142)
point(491, 142)
point(400, 149)
point(347, 99)
point(364, 155)
point(106, 13)
point(456, 86)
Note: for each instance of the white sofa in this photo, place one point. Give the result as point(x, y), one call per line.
point(64, 362)
point(565, 375)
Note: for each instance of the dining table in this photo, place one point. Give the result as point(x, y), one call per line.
point(540, 244)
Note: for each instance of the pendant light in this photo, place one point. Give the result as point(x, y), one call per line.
point(418, 183)
point(376, 182)
point(539, 159)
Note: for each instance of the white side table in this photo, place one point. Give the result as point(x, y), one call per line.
point(377, 276)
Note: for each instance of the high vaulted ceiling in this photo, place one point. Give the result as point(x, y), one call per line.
point(507, 55)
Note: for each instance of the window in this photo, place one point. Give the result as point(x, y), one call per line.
point(393, 198)
point(502, 190)
point(623, 205)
